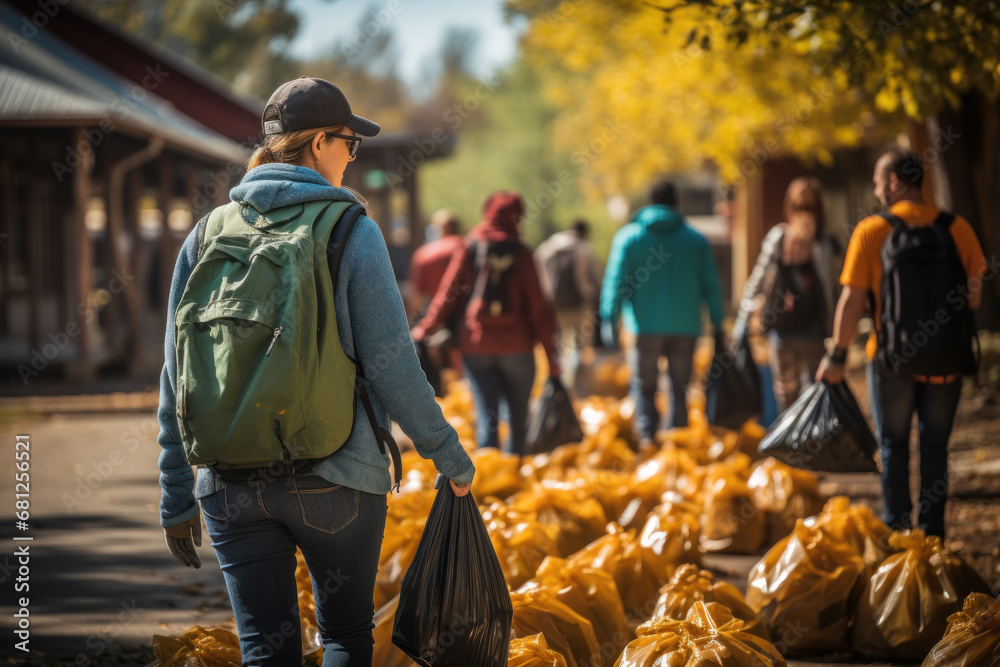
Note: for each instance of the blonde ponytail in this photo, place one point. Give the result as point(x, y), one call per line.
point(288, 148)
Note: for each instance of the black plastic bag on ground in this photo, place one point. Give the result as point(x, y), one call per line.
point(823, 431)
point(553, 421)
point(732, 389)
point(454, 607)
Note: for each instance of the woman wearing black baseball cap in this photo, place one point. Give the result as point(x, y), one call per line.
point(334, 511)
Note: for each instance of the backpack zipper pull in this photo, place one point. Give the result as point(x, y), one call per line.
point(277, 332)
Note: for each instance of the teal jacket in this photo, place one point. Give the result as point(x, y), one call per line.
point(659, 273)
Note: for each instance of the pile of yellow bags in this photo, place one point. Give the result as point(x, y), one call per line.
point(602, 547)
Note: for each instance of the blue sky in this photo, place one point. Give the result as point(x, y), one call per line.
point(418, 25)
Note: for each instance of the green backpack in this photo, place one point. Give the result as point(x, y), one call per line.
point(261, 373)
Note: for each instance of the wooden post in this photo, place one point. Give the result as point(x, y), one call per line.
point(748, 231)
point(35, 259)
point(81, 263)
point(6, 245)
point(413, 212)
point(168, 251)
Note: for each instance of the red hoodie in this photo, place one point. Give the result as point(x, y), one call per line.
point(527, 315)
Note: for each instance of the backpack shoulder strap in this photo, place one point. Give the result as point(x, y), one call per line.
point(944, 219)
point(338, 240)
point(335, 254)
point(199, 234)
point(893, 220)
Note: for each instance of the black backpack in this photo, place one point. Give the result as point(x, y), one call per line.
point(927, 328)
point(559, 267)
point(493, 264)
point(808, 309)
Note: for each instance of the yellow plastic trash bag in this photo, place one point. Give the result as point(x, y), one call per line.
point(672, 469)
point(579, 517)
point(533, 651)
point(312, 643)
point(670, 536)
point(909, 599)
point(972, 638)
point(398, 548)
point(198, 647)
point(856, 525)
point(591, 592)
point(709, 635)
point(731, 523)
point(569, 633)
point(385, 653)
point(638, 570)
point(785, 494)
point(611, 488)
point(805, 590)
point(690, 585)
point(750, 435)
point(520, 540)
point(500, 473)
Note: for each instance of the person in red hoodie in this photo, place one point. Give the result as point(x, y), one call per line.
point(492, 276)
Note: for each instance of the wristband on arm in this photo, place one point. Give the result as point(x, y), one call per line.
point(837, 356)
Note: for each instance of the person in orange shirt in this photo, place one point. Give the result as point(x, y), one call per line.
point(897, 390)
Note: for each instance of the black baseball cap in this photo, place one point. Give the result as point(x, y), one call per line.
point(307, 103)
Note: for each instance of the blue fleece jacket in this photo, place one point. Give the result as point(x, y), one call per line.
point(373, 330)
point(659, 273)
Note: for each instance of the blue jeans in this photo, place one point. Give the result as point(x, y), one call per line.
point(645, 360)
point(894, 400)
point(505, 378)
point(255, 527)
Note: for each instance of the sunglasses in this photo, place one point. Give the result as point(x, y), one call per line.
point(355, 142)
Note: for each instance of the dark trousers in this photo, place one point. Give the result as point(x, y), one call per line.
point(894, 401)
point(645, 360)
point(502, 380)
point(255, 527)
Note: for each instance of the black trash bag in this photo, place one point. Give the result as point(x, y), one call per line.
point(732, 390)
point(553, 421)
point(454, 607)
point(823, 431)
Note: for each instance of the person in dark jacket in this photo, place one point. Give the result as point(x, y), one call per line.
point(492, 276)
point(660, 272)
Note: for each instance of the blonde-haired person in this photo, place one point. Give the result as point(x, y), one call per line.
point(792, 286)
point(335, 513)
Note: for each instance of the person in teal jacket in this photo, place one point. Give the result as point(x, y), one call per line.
point(659, 273)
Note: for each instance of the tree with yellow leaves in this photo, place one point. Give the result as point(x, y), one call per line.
point(733, 81)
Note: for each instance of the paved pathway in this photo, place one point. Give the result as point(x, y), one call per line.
point(101, 576)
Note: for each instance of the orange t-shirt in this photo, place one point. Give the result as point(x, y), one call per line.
point(863, 264)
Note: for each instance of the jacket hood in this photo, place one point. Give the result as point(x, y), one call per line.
point(272, 186)
point(660, 218)
point(501, 215)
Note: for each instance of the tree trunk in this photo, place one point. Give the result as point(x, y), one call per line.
point(964, 153)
